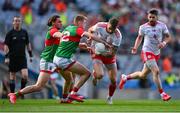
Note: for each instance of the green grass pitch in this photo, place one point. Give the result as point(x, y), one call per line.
point(90, 105)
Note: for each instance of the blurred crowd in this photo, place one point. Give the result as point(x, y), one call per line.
point(132, 13)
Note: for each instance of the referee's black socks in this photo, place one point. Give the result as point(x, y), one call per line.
point(12, 85)
point(23, 83)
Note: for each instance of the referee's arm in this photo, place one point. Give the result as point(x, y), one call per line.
point(29, 48)
point(28, 45)
point(6, 48)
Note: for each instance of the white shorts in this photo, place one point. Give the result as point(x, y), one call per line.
point(48, 67)
point(54, 76)
point(108, 66)
point(63, 63)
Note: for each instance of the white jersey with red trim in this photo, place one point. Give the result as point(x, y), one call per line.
point(100, 30)
point(153, 36)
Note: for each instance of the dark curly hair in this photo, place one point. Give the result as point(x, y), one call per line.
point(153, 11)
point(52, 19)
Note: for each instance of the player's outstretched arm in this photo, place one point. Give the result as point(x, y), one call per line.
point(83, 46)
point(57, 34)
point(96, 38)
point(136, 45)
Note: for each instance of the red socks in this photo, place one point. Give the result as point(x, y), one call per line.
point(112, 88)
point(75, 89)
point(161, 91)
point(65, 95)
point(129, 77)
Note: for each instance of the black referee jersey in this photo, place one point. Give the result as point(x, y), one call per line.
point(17, 42)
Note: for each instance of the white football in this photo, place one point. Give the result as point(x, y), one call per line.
point(99, 48)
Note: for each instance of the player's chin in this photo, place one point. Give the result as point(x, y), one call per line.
point(152, 22)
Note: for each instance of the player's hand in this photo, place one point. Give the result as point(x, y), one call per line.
point(108, 45)
point(89, 49)
point(134, 50)
point(83, 45)
point(89, 40)
point(162, 45)
point(6, 61)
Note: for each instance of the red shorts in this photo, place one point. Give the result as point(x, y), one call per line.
point(149, 56)
point(105, 60)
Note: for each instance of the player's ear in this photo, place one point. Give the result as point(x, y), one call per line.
point(78, 23)
point(53, 23)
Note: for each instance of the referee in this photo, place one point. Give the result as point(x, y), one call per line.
point(16, 41)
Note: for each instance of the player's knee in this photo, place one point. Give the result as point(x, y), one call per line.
point(38, 87)
point(12, 76)
point(99, 76)
point(142, 76)
point(113, 81)
point(156, 72)
point(25, 76)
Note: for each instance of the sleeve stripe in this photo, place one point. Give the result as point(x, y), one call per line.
point(82, 34)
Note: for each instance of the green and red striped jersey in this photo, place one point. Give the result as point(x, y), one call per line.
point(51, 44)
point(70, 41)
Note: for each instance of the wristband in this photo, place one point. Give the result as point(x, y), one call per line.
point(7, 55)
point(30, 53)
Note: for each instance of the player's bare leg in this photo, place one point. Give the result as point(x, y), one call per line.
point(73, 81)
point(41, 82)
point(139, 74)
point(136, 75)
point(112, 72)
point(98, 71)
point(55, 89)
point(84, 73)
point(72, 85)
point(156, 78)
point(68, 81)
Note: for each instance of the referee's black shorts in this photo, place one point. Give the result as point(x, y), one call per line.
point(17, 63)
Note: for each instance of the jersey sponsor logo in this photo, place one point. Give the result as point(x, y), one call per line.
point(14, 38)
